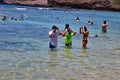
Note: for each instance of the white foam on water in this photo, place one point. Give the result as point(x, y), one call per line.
point(40, 8)
point(21, 8)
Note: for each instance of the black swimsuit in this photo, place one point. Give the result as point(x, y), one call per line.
point(84, 35)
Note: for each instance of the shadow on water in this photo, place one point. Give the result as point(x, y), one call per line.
point(85, 52)
point(68, 53)
point(52, 54)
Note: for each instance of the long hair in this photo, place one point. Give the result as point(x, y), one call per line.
point(66, 26)
point(82, 29)
point(85, 28)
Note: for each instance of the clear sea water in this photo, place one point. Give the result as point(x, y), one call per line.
point(24, 51)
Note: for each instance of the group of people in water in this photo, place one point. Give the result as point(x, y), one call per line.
point(4, 18)
point(68, 34)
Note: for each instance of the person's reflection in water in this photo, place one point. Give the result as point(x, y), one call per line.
point(104, 34)
point(84, 52)
point(84, 55)
point(68, 53)
point(53, 58)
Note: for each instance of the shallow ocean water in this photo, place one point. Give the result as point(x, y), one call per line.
point(24, 51)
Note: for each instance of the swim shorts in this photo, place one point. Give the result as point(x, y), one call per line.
point(104, 31)
point(51, 45)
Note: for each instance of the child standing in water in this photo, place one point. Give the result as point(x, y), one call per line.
point(69, 35)
point(53, 36)
point(85, 32)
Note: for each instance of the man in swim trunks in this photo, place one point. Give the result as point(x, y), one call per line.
point(104, 27)
point(53, 36)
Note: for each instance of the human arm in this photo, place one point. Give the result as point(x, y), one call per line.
point(51, 34)
point(81, 30)
point(59, 32)
point(64, 34)
point(74, 32)
point(86, 33)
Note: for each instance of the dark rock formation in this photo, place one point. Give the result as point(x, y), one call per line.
point(1, 1)
point(80, 4)
point(92, 4)
point(28, 2)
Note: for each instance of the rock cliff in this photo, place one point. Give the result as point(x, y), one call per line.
point(28, 2)
point(113, 5)
point(1, 1)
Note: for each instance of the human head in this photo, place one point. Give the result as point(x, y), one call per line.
point(104, 22)
point(54, 27)
point(88, 21)
point(66, 26)
point(4, 17)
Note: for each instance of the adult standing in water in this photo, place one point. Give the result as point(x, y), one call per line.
point(104, 26)
point(53, 34)
point(85, 32)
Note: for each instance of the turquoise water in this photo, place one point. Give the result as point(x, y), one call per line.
point(24, 51)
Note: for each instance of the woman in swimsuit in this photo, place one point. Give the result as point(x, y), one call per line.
point(85, 32)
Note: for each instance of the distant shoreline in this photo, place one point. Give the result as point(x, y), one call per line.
point(72, 6)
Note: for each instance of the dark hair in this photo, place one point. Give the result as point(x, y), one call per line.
point(54, 27)
point(85, 28)
point(66, 26)
point(80, 30)
point(104, 22)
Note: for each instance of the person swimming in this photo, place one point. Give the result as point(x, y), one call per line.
point(89, 23)
point(77, 19)
point(4, 18)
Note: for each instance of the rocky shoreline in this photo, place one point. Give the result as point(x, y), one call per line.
point(91, 5)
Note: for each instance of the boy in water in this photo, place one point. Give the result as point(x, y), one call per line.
point(69, 35)
point(85, 32)
point(53, 36)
